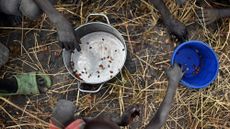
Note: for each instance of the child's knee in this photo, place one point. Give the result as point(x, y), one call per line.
point(30, 9)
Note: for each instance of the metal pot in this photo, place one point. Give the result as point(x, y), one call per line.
point(102, 56)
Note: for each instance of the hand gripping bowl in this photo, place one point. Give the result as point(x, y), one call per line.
point(102, 56)
point(199, 62)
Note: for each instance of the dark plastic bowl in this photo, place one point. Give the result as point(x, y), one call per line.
point(199, 61)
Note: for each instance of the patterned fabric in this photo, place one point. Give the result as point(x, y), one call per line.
point(52, 126)
point(77, 124)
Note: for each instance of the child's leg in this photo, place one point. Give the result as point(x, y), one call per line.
point(26, 84)
point(31, 10)
point(8, 85)
point(4, 54)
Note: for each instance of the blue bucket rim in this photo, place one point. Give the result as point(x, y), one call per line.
point(210, 48)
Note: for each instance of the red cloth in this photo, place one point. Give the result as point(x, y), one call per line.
point(77, 124)
point(52, 126)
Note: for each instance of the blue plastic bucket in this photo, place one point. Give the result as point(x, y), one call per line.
point(199, 62)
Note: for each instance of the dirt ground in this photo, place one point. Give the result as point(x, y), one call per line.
point(34, 47)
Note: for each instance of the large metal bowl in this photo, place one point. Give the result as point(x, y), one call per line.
point(102, 56)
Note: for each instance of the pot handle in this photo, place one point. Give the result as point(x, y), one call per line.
point(98, 14)
point(89, 91)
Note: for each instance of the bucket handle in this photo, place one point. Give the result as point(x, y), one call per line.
point(98, 14)
point(89, 91)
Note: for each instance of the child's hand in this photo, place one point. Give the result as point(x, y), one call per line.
point(129, 114)
point(175, 73)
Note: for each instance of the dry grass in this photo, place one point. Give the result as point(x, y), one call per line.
point(151, 48)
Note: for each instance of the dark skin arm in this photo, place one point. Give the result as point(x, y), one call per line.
point(64, 110)
point(65, 31)
point(63, 114)
point(180, 2)
point(106, 123)
point(127, 117)
point(130, 113)
point(224, 12)
point(209, 16)
point(31, 9)
point(173, 25)
point(163, 10)
point(174, 76)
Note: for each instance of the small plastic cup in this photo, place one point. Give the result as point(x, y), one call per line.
point(199, 62)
